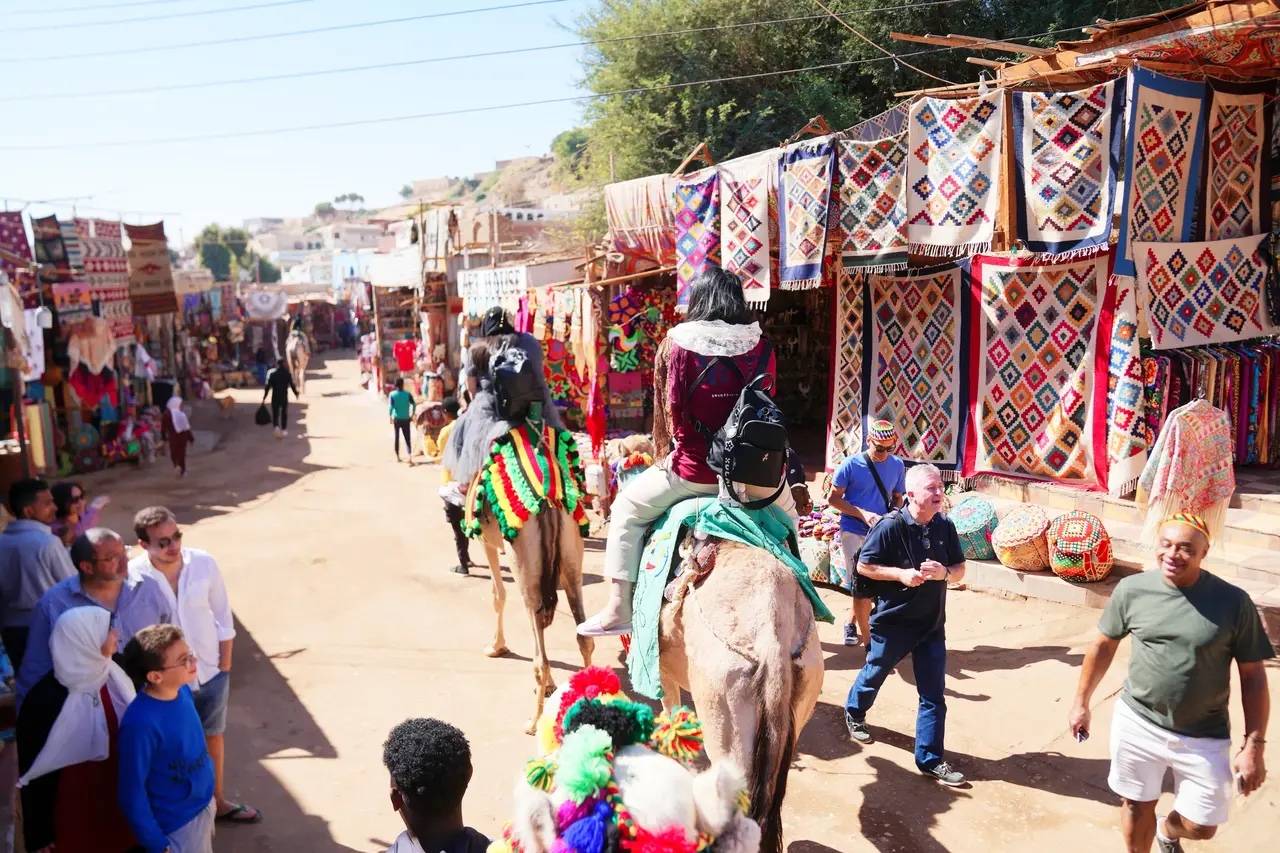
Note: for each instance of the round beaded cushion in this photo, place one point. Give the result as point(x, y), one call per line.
point(1079, 547)
point(1019, 539)
point(975, 521)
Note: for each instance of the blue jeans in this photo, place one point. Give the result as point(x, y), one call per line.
point(928, 650)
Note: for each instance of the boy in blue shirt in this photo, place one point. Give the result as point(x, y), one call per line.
point(166, 777)
point(862, 500)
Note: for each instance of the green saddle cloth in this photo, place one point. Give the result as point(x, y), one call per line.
point(768, 528)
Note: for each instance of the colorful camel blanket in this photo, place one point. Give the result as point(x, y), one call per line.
point(952, 174)
point(1203, 293)
point(1066, 157)
point(1237, 170)
point(871, 190)
point(1163, 154)
point(804, 198)
point(1038, 368)
point(745, 185)
point(918, 323)
point(1126, 394)
point(695, 207)
point(528, 470)
point(769, 529)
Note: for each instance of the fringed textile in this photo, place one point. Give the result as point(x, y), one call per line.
point(640, 218)
point(844, 430)
point(804, 198)
point(1126, 420)
point(107, 272)
point(151, 287)
point(696, 210)
point(1190, 469)
point(528, 470)
point(871, 194)
point(1237, 170)
point(745, 186)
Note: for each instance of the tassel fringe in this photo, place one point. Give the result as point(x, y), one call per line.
point(802, 284)
point(877, 269)
point(931, 250)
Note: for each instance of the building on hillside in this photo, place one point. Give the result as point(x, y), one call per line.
point(348, 235)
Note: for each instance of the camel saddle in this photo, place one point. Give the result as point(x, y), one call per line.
point(704, 523)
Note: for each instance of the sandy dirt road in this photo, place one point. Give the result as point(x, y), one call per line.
point(349, 621)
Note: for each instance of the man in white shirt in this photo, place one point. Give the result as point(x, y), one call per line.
point(202, 610)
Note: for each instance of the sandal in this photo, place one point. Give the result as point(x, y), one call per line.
point(593, 628)
point(237, 814)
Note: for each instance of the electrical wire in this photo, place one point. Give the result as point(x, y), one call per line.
point(636, 90)
point(93, 7)
point(132, 51)
point(322, 72)
point(148, 18)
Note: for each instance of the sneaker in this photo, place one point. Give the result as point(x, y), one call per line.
point(850, 634)
point(461, 570)
point(1166, 845)
point(858, 730)
point(945, 774)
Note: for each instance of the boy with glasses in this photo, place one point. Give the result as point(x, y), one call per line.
point(191, 581)
point(166, 778)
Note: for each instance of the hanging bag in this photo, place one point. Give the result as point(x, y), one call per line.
point(262, 417)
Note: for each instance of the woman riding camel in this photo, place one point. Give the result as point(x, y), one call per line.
point(719, 325)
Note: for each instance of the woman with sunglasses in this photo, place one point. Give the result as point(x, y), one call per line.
point(75, 512)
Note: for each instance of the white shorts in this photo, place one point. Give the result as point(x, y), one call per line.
point(1142, 752)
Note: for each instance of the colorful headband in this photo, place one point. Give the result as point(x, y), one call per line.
point(1191, 520)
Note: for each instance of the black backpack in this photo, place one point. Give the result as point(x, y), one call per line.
point(751, 447)
point(514, 383)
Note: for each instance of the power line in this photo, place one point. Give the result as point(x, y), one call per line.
point(149, 18)
point(132, 51)
point(295, 75)
point(93, 7)
point(242, 134)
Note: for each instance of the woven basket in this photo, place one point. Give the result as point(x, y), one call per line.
point(1019, 539)
point(1079, 547)
point(975, 520)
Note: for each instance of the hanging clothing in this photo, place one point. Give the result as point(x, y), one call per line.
point(1190, 468)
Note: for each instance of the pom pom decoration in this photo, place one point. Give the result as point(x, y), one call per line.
point(584, 762)
point(677, 735)
point(569, 811)
point(593, 682)
point(540, 773)
point(670, 840)
point(588, 834)
point(501, 845)
point(626, 722)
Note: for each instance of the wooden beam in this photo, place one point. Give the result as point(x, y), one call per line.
point(956, 89)
point(945, 41)
point(1010, 46)
point(989, 63)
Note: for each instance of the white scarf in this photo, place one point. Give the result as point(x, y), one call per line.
point(716, 337)
point(80, 733)
point(180, 422)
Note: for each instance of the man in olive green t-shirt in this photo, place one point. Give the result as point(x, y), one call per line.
point(1187, 627)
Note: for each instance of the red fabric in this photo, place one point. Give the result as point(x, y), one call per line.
point(709, 403)
point(91, 388)
point(404, 352)
point(86, 817)
point(178, 441)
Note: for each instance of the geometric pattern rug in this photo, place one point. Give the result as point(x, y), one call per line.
point(1236, 179)
point(872, 203)
point(844, 431)
point(914, 344)
point(107, 271)
point(695, 207)
point(1067, 150)
point(805, 172)
point(1038, 368)
point(745, 186)
point(1203, 293)
point(1126, 391)
point(1163, 155)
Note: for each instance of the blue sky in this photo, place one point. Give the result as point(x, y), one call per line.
point(280, 175)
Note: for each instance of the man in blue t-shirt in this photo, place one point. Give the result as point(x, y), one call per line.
point(911, 556)
point(862, 501)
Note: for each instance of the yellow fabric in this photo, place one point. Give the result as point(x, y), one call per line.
point(435, 449)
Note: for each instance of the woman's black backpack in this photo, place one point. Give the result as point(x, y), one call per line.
point(514, 383)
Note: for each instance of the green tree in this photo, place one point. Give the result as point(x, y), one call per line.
point(324, 209)
point(570, 150)
point(225, 252)
point(406, 192)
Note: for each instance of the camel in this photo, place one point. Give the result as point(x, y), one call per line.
point(548, 554)
point(744, 644)
point(297, 352)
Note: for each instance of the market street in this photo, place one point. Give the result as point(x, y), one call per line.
point(337, 558)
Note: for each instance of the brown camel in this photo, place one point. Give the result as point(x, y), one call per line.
point(548, 554)
point(745, 645)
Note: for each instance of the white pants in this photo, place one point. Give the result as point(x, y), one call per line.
point(642, 501)
point(1142, 752)
point(196, 835)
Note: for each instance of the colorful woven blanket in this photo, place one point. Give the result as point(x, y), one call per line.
point(871, 193)
point(695, 206)
point(528, 470)
point(804, 197)
point(844, 431)
point(1203, 293)
point(1236, 171)
point(639, 214)
point(1126, 422)
point(1163, 154)
point(151, 287)
point(1038, 368)
point(13, 238)
point(917, 326)
point(1190, 467)
point(107, 272)
point(46, 235)
point(952, 174)
point(745, 186)
point(73, 300)
point(1067, 156)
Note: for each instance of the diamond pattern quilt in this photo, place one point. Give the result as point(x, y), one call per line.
point(1236, 170)
point(844, 432)
point(1038, 368)
point(1203, 293)
point(1066, 160)
point(695, 206)
point(804, 197)
point(1163, 156)
point(745, 185)
point(871, 194)
point(1126, 410)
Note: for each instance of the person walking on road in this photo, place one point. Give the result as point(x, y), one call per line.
point(32, 560)
point(401, 405)
point(911, 556)
point(176, 429)
point(1187, 627)
point(279, 384)
point(864, 489)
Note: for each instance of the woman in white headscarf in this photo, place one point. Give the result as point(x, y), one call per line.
point(176, 429)
point(67, 730)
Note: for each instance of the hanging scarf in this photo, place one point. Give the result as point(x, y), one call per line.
point(745, 186)
point(804, 196)
point(79, 734)
point(696, 210)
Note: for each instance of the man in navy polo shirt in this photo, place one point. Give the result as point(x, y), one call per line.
point(910, 557)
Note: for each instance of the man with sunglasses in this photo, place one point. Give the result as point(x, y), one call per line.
point(191, 581)
point(910, 557)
